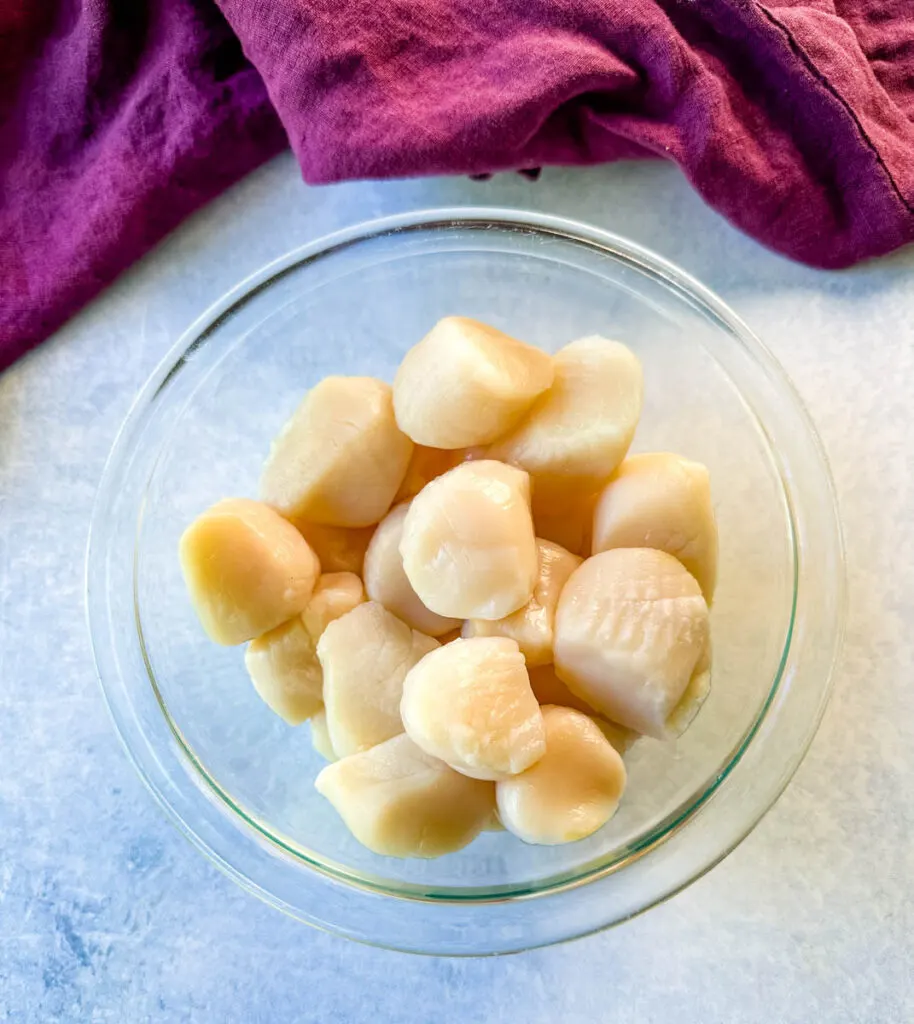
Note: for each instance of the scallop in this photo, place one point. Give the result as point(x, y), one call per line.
point(336, 594)
point(387, 582)
point(572, 790)
point(284, 669)
point(468, 545)
point(660, 500)
point(571, 527)
point(339, 549)
point(341, 458)
point(532, 625)
point(247, 570)
point(466, 383)
point(283, 663)
point(470, 704)
point(401, 802)
point(549, 689)
point(579, 431)
point(425, 465)
point(365, 656)
point(631, 631)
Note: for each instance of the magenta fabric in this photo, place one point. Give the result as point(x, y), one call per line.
point(794, 119)
point(118, 118)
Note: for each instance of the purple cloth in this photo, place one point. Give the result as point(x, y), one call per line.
point(119, 117)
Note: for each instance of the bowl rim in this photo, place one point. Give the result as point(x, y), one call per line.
point(687, 289)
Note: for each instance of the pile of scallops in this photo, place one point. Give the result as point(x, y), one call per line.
point(471, 591)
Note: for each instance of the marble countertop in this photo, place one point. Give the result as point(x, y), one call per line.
point(108, 914)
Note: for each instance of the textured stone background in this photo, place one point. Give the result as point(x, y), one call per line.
point(107, 914)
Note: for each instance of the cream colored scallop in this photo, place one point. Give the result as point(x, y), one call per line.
point(336, 594)
point(466, 383)
point(283, 663)
point(660, 500)
point(630, 629)
point(549, 689)
point(339, 549)
point(468, 545)
point(320, 735)
point(400, 802)
point(425, 465)
point(386, 580)
point(365, 656)
point(284, 669)
point(532, 625)
point(571, 527)
point(580, 429)
point(341, 458)
point(572, 791)
point(470, 704)
point(247, 570)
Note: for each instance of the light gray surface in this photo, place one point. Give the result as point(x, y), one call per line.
point(107, 914)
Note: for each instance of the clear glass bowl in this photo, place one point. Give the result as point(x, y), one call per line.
point(238, 781)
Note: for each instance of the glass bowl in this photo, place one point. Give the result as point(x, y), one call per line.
point(238, 781)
